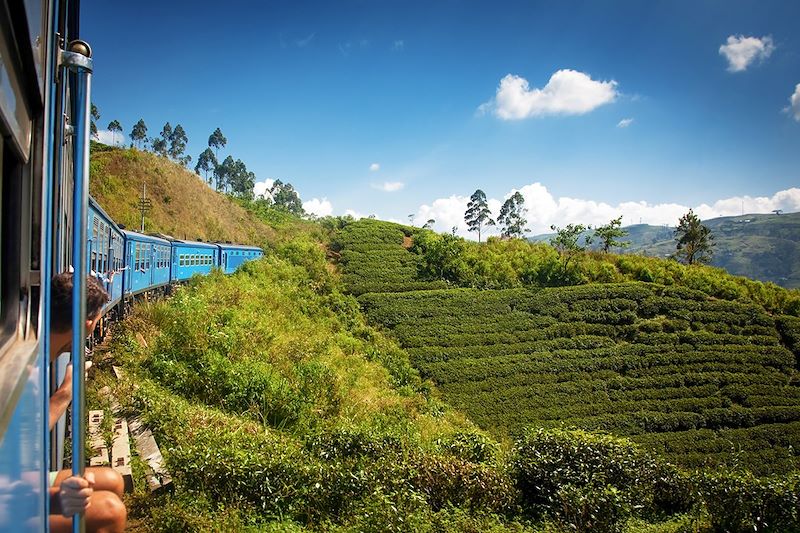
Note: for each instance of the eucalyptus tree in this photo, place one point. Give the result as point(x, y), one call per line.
point(114, 127)
point(139, 133)
point(478, 213)
point(216, 141)
point(512, 216)
point(206, 162)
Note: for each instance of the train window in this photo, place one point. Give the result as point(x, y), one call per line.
point(147, 252)
point(180, 259)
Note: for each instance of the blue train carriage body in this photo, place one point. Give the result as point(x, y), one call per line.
point(232, 256)
point(191, 257)
point(147, 263)
point(105, 247)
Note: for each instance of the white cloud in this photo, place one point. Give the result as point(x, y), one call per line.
point(321, 208)
point(545, 210)
point(261, 188)
point(625, 122)
point(794, 103)
point(399, 45)
point(374, 167)
point(389, 186)
point(741, 51)
point(106, 137)
point(355, 214)
point(568, 92)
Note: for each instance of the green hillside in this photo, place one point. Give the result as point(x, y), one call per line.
point(283, 403)
point(702, 380)
point(763, 247)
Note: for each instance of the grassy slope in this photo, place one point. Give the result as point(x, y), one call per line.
point(183, 205)
point(693, 377)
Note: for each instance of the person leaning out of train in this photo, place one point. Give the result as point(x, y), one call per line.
point(98, 494)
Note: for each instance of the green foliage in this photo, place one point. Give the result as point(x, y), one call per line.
point(512, 216)
point(738, 502)
point(610, 233)
point(593, 482)
point(206, 161)
point(695, 243)
point(441, 255)
point(285, 197)
point(139, 132)
point(657, 363)
point(177, 142)
point(94, 116)
point(478, 213)
point(216, 141)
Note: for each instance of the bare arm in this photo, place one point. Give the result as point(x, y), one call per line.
point(61, 399)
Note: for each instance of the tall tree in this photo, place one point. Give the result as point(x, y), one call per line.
point(206, 161)
point(177, 142)
point(478, 214)
point(429, 224)
point(512, 216)
point(285, 197)
point(222, 173)
point(240, 179)
point(567, 242)
point(114, 127)
point(139, 132)
point(94, 117)
point(162, 142)
point(216, 141)
point(695, 243)
point(610, 233)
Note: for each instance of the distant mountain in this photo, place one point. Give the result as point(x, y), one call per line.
point(763, 247)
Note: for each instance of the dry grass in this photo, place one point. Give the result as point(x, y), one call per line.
point(183, 205)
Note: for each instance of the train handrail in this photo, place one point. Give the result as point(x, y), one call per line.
point(78, 60)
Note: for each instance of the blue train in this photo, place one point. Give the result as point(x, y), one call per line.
point(48, 224)
point(130, 263)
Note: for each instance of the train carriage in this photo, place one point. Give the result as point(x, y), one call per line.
point(147, 261)
point(106, 258)
point(232, 256)
point(191, 257)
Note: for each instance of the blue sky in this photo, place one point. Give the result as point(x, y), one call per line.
point(316, 92)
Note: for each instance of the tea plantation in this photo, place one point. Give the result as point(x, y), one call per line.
point(702, 381)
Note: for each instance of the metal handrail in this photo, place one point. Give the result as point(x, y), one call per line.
point(78, 60)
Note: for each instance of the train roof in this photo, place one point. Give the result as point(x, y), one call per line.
point(142, 237)
point(195, 244)
point(238, 246)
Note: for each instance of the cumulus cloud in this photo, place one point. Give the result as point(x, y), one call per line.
point(741, 51)
point(261, 188)
point(544, 209)
point(389, 186)
point(320, 208)
point(109, 138)
point(794, 104)
point(374, 167)
point(568, 92)
point(625, 122)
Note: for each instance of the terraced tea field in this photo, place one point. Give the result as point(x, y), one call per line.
point(703, 381)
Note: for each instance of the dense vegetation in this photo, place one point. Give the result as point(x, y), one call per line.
point(762, 247)
point(701, 381)
point(278, 409)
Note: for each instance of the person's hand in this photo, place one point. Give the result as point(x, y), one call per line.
point(66, 385)
point(75, 494)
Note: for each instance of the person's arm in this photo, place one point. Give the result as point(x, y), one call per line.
point(61, 399)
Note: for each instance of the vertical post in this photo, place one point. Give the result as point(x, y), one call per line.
point(143, 203)
point(78, 60)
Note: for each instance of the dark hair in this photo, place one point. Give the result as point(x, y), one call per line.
point(61, 300)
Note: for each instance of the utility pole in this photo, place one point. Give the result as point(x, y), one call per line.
point(145, 205)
